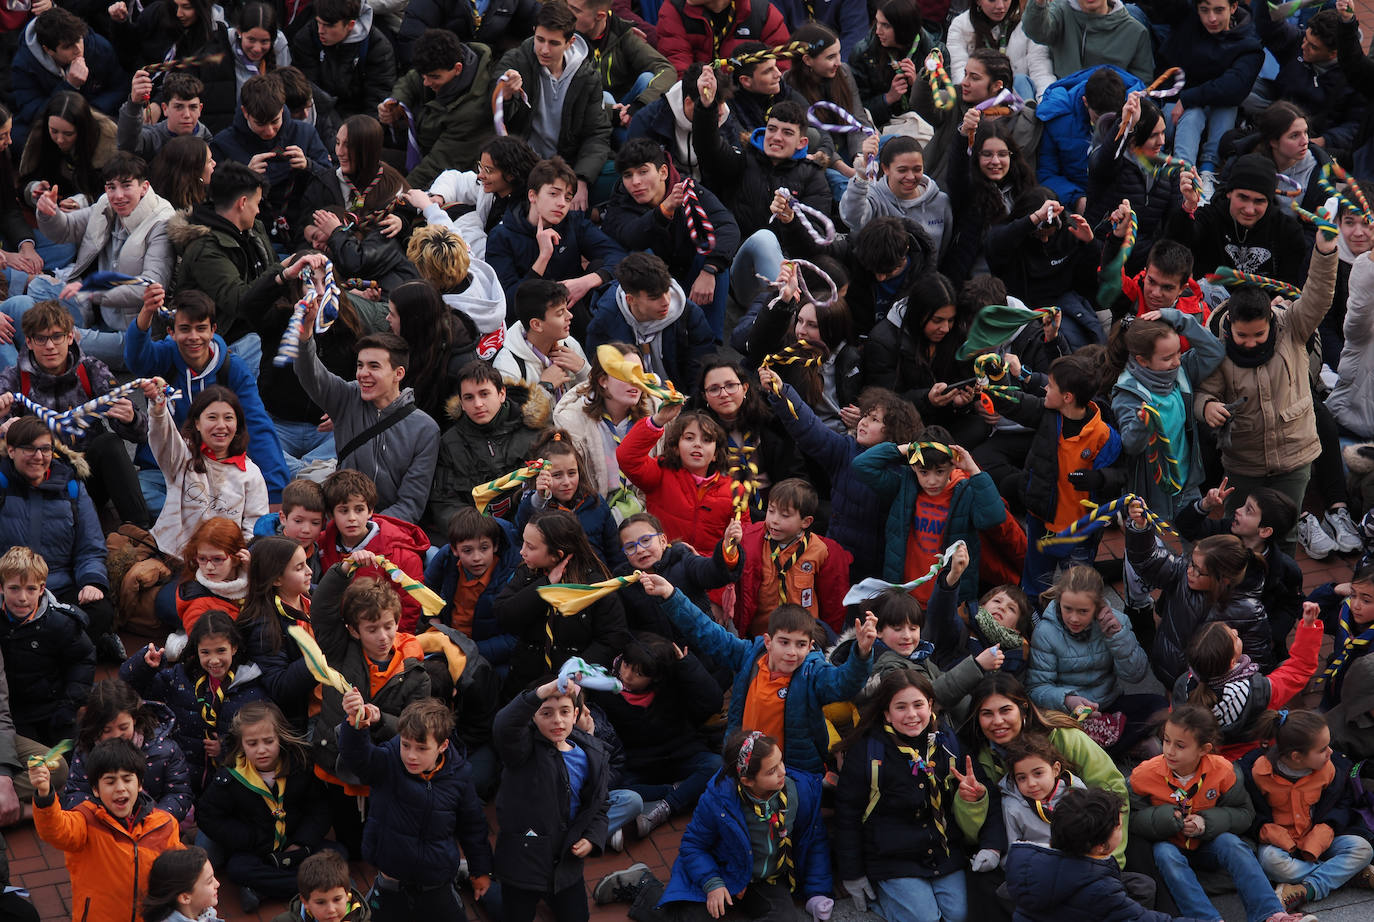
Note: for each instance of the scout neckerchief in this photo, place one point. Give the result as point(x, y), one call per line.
point(1045, 808)
point(301, 621)
point(357, 196)
point(1348, 643)
point(1183, 796)
point(617, 437)
point(783, 561)
point(923, 769)
point(210, 696)
point(722, 26)
point(779, 835)
point(274, 795)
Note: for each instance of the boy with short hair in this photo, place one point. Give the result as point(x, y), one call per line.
point(539, 345)
point(60, 53)
point(767, 668)
point(109, 841)
point(302, 518)
point(326, 892)
point(1166, 280)
point(785, 563)
point(418, 781)
point(351, 497)
point(49, 659)
point(902, 190)
point(478, 559)
point(183, 93)
point(347, 55)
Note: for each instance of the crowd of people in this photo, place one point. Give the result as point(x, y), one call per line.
point(615, 411)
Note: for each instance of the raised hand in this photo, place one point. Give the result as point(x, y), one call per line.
point(970, 788)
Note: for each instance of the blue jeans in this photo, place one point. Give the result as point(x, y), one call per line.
point(715, 311)
point(920, 899)
point(761, 254)
point(1021, 84)
point(1347, 856)
point(302, 443)
point(249, 348)
point(1187, 134)
point(838, 182)
point(98, 341)
point(624, 806)
point(154, 487)
point(691, 778)
point(1225, 851)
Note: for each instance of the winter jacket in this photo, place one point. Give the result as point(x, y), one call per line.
point(237, 269)
point(357, 72)
point(56, 520)
point(661, 735)
point(1090, 663)
point(452, 125)
point(716, 849)
point(847, 20)
point(500, 22)
point(1065, 144)
point(64, 391)
point(685, 35)
point(546, 639)
point(146, 252)
point(51, 663)
point(691, 573)
point(1047, 885)
point(1027, 57)
point(815, 684)
point(1023, 817)
point(512, 251)
point(417, 824)
point(676, 345)
point(1309, 812)
point(664, 121)
point(693, 512)
point(1153, 198)
point(899, 839)
point(238, 819)
point(1183, 610)
point(1274, 247)
point(587, 435)
point(400, 542)
point(643, 227)
point(820, 592)
point(36, 77)
point(472, 454)
point(285, 673)
point(517, 358)
point(1077, 39)
point(1352, 720)
point(1352, 399)
point(370, 255)
point(401, 460)
point(840, 371)
point(441, 575)
point(1221, 67)
point(584, 135)
point(239, 142)
point(1274, 431)
point(1335, 111)
point(1038, 272)
point(892, 359)
point(165, 781)
point(593, 514)
point(621, 56)
point(358, 909)
point(162, 358)
point(536, 827)
point(930, 209)
point(107, 859)
point(1219, 794)
point(872, 66)
point(172, 686)
point(224, 489)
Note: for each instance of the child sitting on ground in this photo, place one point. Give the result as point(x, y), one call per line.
point(216, 571)
point(1002, 619)
point(302, 519)
point(1035, 784)
point(324, 892)
point(648, 550)
point(482, 554)
point(181, 886)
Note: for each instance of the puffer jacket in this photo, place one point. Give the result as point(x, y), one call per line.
point(1077, 39)
point(1221, 67)
point(441, 575)
point(1218, 793)
point(512, 250)
point(399, 541)
point(643, 227)
point(1183, 610)
point(1088, 663)
point(1307, 813)
point(238, 819)
point(63, 391)
point(57, 520)
point(691, 573)
point(1352, 399)
point(50, 663)
point(166, 779)
point(689, 511)
point(36, 77)
point(358, 72)
point(453, 124)
point(1066, 143)
point(1275, 430)
point(660, 735)
point(1047, 885)
point(685, 34)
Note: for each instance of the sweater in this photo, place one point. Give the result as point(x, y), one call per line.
point(1077, 39)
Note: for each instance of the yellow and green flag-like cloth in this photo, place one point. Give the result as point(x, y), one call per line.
point(618, 365)
point(53, 757)
point(483, 495)
point(430, 601)
point(571, 598)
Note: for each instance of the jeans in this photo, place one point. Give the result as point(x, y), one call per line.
point(1039, 568)
point(302, 443)
point(1225, 851)
point(625, 805)
point(715, 311)
point(1021, 84)
point(691, 778)
point(761, 254)
point(154, 487)
point(838, 182)
point(249, 348)
point(1347, 856)
point(920, 899)
point(1188, 143)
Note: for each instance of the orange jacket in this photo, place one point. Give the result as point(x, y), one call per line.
point(1157, 806)
point(107, 861)
point(1291, 803)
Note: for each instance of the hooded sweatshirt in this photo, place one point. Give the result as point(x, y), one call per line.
point(518, 359)
point(548, 115)
point(863, 201)
point(647, 332)
point(243, 68)
point(483, 300)
point(1077, 39)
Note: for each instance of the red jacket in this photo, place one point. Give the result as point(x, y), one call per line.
point(1189, 302)
point(684, 34)
point(401, 543)
point(689, 512)
point(1287, 681)
point(830, 583)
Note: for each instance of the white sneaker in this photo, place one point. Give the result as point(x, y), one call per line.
point(1314, 540)
point(616, 842)
point(1340, 526)
point(1206, 185)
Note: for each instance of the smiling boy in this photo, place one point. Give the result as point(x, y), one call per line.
point(182, 92)
point(539, 345)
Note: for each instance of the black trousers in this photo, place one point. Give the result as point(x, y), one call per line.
point(761, 901)
point(568, 904)
point(100, 615)
point(115, 479)
point(393, 901)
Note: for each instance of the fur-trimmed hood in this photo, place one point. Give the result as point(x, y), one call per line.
point(529, 397)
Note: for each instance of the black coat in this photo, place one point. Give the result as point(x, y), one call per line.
point(1112, 178)
point(155, 32)
point(358, 73)
point(536, 830)
point(657, 122)
point(50, 664)
point(893, 359)
point(285, 675)
point(502, 20)
point(659, 737)
point(643, 227)
point(239, 820)
point(689, 572)
point(584, 136)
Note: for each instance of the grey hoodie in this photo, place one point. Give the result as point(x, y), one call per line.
point(650, 331)
point(146, 140)
point(863, 201)
point(1018, 814)
point(547, 120)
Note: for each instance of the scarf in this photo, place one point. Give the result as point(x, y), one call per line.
point(1254, 356)
point(274, 795)
point(357, 196)
point(923, 770)
point(210, 697)
point(1349, 645)
point(1243, 669)
point(785, 563)
point(996, 631)
point(778, 833)
point(722, 26)
point(1156, 382)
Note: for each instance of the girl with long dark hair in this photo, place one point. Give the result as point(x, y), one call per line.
point(181, 172)
point(442, 340)
point(887, 63)
point(69, 144)
point(997, 176)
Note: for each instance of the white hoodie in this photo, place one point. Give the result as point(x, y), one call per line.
point(517, 359)
point(484, 300)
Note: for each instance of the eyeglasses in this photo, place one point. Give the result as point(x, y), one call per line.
point(716, 390)
point(211, 560)
point(40, 339)
point(1195, 569)
point(33, 450)
point(644, 541)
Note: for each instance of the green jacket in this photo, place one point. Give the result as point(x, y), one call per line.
point(621, 56)
point(237, 269)
point(1077, 39)
point(455, 124)
point(584, 137)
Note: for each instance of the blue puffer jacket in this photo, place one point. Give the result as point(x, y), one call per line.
point(1090, 664)
point(441, 575)
point(1051, 886)
point(166, 779)
point(512, 251)
point(716, 843)
point(62, 527)
point(815, 684)
point(596, 518)
point(1063, 161)
point(421, 821)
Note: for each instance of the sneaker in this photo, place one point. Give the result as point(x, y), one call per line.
point(110, 649)
point(616, 842)
point(621, 886)
point(654, 815)
point(1292, 896)
point(1365, 879)
point(1314, 540)
point(250, 899)
point(1206, 184)
point(1340, 526)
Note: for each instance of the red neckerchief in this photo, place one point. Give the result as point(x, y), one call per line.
point(239, 461)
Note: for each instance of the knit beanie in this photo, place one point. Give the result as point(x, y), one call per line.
point(1254, 173)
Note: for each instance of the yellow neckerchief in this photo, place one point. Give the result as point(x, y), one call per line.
point(779, 835)
point(211, 696)
point(274, 796)
point(923, 769)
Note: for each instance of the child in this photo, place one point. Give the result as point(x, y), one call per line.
point(899, 760)
point(755, 842)
point(555, 550)
point(539, 345)
point(356, 626)
point(1165, 282)
point(470, 571)
point(1084, 654)
point(1191, 804)
point(1002, 619)
point(683, 487)
point(182, 92)
point(204, 690)
point(1354, 631)
point(1224, 680)
point(324, 892)
point(181, 887)
point(47, 655)
point(301, 519)
point(354, 525)
point(1033, 789)
point(780, 683)
point(564, 484)
point(215, 575)
point(784, 562)
point(1071, 459)
point(114, 711)
point(648, 550)
point(1316, 849)
point(264, 809)
point(109, 838)
point(936, 495)
point(278, 597)
point(551, 809)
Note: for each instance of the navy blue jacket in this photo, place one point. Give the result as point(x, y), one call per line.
point(34, 84)
point(50, 664)
point(53, 521)
point(165, 781)
point(512, 250)
point(238, 819)
point(415, 825)
point(239, 143)
point(847, 20)
point(285, 675)
point(596, 518)
point(1050, 886)
point(690, 572)
point(1221, 68)
point(686, 342)
point(441, 575)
